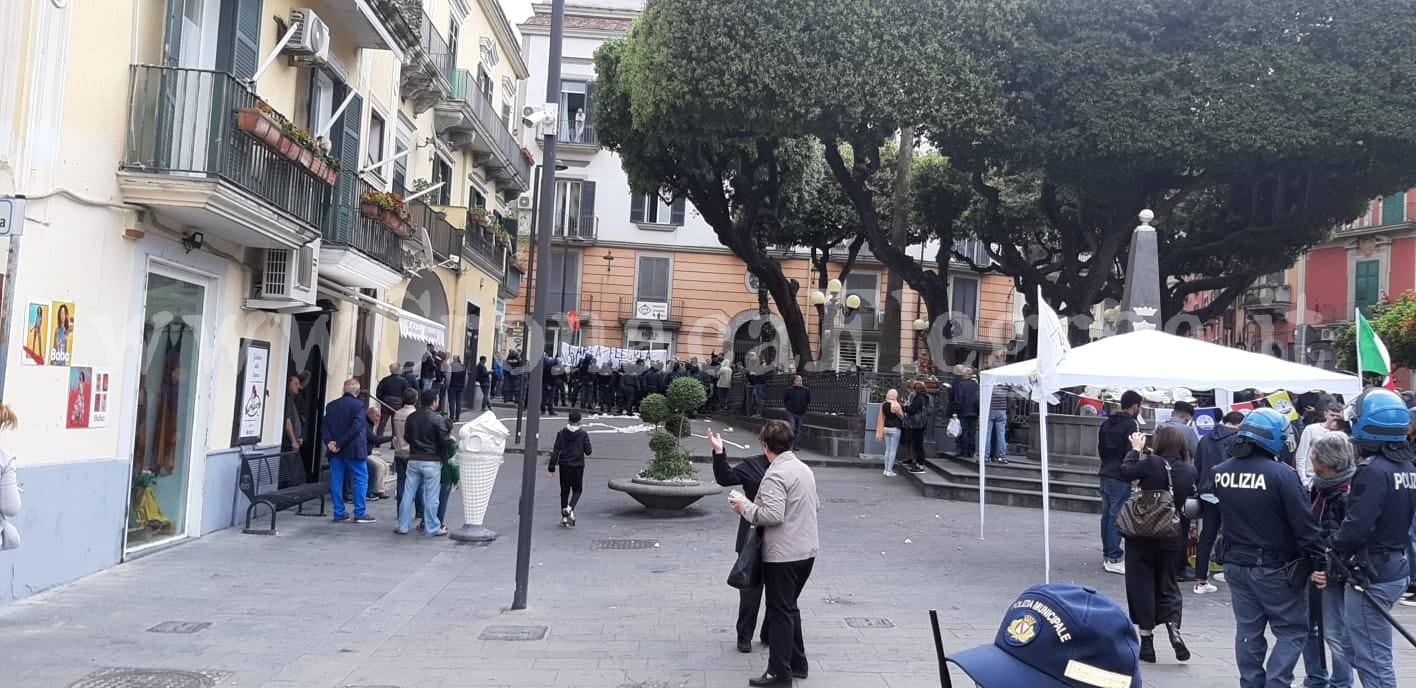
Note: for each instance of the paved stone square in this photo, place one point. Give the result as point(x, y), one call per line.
point(324, 605)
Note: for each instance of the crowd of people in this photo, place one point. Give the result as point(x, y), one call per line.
point(1314, 522)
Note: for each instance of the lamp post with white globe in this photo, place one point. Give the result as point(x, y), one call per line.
point(832, 300)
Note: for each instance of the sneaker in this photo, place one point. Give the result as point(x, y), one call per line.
point(1408, 602)
point(565, 517)
point(571, 516)
point(1205, 588)
point(1116, 567)
point(365, 519)
point(916, 469)
point(341, 519)
point(888, 474)
point(439, 532)
point(1218, 577)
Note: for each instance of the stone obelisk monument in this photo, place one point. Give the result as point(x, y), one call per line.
point(1140, 304)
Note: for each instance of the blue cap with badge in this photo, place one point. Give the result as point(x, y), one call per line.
point(1058, 636)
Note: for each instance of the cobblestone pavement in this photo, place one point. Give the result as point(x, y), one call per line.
point(325, 605)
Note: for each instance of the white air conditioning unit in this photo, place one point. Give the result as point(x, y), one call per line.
point(311, 37)
point(524, 201)
point(286, 278)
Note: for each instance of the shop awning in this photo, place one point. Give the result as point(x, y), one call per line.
point(410, 325)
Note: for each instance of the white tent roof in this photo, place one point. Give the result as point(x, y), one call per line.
point(1151, 358)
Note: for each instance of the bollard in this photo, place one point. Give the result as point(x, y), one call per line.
point(481, 444)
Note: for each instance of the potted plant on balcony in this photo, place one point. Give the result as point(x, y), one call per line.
point(389, 209)
point(669, 482)
point(478, 217)
point(278, 133)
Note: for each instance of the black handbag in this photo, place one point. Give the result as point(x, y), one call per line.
point(747, 570)
point(1150, 514)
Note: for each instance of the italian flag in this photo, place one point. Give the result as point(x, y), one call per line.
point(1372, 356)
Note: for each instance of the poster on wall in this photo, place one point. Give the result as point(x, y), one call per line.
point(61, 333)
point(98, 415)
point(251, 392)
point(80, 398)
point(36, 333)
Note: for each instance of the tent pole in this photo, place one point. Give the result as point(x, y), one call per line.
point(1046, 493)
point(985, 401)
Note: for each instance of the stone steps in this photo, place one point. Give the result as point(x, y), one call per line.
point(1017, 484)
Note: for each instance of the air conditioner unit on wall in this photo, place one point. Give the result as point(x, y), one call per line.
point(285, 278)
point(311, 37)
point(524, 201)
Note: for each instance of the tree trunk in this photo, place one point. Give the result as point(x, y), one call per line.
point(890, 345)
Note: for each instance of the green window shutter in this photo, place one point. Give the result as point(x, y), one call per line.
point(1366, 284)
point(345, 138)
point(240, 49)
point(1394, 209)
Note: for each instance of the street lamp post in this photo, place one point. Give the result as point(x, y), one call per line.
point(831, 299)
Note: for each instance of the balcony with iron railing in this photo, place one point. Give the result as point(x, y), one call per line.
point(574, 131)
point(486, 248)
point(425, 74)
point(357, 250)
point(1272, 299)
point(446, 239)
point(467, 120)
point(575, 229)
point(647, 312)
point(193, 153)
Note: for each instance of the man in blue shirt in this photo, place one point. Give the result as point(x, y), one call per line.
point(346, 432)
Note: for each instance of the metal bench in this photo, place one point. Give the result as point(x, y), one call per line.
point(276, 480)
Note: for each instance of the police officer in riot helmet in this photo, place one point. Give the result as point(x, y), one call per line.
point(1272, 545)
point(1371, 545)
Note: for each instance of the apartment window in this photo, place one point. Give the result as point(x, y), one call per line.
point(563, 281)
point(400, 166)
point(576, 124)
point(508, 100)
point(484, 84)
point(1394, 209)
point(651, 209)
point(964, 302)
point(652, 283)
point(452, 30)
point(575, 208)
point(866, 285)
point(475, 198)
point(375, 144)
point(648, 337)
point(442, 174)
point(1367, 284)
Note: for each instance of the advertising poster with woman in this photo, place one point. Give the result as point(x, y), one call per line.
point(36, 333)
point(80, 398)
point(61, 338)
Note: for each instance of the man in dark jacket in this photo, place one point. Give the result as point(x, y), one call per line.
point(484, 382)
point(1113, 441)
point(390, 394)
point(346, 427)
point(628, 389)
point(963, 400)
point(571, 448)
point(1212, 450)
point(650, 381)
point(427, 434)
point(796, 400)
point(747, 473)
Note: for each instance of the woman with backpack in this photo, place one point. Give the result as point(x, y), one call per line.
point(915, 422)
point(887, 429)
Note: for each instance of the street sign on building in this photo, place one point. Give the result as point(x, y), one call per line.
point(651, 310)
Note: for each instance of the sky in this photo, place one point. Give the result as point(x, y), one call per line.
point(516, 10)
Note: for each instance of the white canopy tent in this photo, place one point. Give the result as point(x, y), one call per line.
point(1150, 358)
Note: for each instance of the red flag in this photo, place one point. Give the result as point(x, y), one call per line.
point(573, 320)
point(1243, 407)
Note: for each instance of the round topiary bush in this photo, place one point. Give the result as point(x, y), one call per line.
point(662, 442)
point(654, 409)
point(674, 464)
point(678, 426)
point(686, 395)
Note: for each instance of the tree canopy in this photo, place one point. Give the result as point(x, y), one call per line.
point(1395, 323)
point(1251, 127)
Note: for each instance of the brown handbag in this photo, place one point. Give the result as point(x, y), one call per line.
point(1151, 514)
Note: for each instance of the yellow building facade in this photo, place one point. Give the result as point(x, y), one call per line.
point(202, 221)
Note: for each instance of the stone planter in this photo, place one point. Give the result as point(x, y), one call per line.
point(657, 495)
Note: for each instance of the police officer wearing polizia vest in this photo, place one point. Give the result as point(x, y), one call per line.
point(1372, 540)
point(1271, 546)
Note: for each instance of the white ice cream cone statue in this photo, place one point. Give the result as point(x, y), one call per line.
point(481, 445)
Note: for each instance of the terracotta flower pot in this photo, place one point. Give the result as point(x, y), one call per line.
point(391, 219)
point(317, 168)
point(306, 159)
point(331, 175)
point(273, 135)
point(252, 121)
point(289, 148)
point(370, 210)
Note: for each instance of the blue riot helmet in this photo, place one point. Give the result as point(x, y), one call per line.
point(1265, 428)
point(1379, 415)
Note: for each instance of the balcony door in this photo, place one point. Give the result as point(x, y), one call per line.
point(192, 31)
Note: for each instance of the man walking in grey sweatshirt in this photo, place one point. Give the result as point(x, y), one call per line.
point(785, 511)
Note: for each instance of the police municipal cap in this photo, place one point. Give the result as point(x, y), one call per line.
point(1058, 636)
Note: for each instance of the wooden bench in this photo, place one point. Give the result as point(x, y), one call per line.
point(276, 480)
